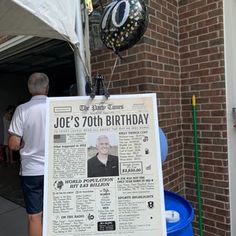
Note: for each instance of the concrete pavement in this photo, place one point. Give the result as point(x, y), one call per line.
point(12, 219)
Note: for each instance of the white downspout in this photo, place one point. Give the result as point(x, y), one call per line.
point(230, 79)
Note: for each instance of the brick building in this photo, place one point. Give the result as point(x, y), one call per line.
point(181, 54)
point(187, 49)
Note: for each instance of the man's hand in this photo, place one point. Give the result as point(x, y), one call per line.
point(14, 142)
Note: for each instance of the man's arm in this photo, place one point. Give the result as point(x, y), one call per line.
point(14, 142)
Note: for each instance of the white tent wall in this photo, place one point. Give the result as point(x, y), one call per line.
point(50, 19)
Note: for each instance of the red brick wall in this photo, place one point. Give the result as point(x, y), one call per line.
point(152, 65)
point(202, 73)
point(180, 55)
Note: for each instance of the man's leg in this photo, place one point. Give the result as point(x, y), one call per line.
point(32, 187)
point(35, 224)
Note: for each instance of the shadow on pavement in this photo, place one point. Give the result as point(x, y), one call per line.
point(10, 183)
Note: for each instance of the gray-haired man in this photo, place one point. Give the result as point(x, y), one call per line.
point(27, 134)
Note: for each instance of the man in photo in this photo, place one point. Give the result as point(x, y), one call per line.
point(103, 164)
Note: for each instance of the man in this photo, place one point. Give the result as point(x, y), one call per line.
point(27, 134)
point(103, 164)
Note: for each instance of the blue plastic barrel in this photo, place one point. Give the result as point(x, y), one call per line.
point(174, 203)
point(163, 145)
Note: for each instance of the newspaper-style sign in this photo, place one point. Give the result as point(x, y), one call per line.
point(87, 195)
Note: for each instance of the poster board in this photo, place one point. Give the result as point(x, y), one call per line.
point(128, 201)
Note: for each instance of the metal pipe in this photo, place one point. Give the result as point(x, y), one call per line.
point(200, 223)
point(79, 53)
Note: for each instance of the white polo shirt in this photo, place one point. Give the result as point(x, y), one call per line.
point(28, 122)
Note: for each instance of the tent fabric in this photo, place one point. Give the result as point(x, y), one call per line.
point(50, 19)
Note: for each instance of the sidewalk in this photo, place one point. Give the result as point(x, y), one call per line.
point(12, 219)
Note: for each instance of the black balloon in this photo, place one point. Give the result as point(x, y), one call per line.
point(123, 24)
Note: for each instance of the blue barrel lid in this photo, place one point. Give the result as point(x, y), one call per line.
point(177, 203)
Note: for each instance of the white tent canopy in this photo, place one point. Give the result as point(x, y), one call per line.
point(58, 19)
point(51, 19)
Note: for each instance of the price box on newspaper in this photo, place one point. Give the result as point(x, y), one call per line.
point(103, 172)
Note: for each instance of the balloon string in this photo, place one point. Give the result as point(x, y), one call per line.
point(117, 53)
point(112, 71)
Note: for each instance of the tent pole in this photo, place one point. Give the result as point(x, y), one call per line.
point(79, 53)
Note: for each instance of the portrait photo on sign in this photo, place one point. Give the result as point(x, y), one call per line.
point(102, 154)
